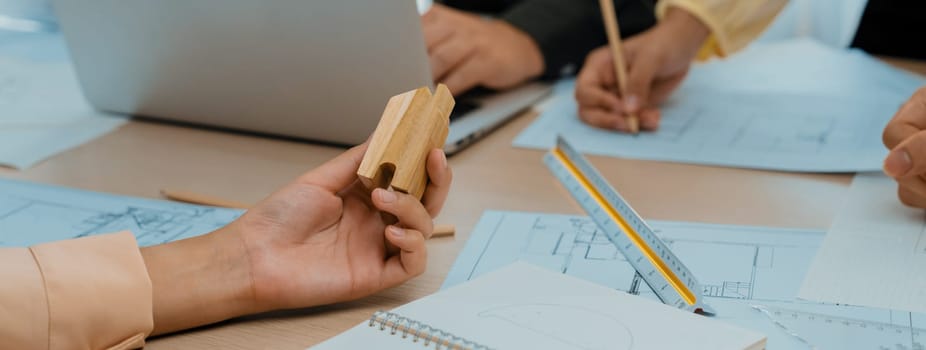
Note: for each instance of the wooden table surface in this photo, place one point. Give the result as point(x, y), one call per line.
point(143, 157)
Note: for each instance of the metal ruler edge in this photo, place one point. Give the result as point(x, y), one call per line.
point(666, 275)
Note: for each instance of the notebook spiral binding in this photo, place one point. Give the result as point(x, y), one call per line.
point(428, 335)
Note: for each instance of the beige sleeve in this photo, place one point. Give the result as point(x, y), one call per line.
point(86, 293)
point(733, 23)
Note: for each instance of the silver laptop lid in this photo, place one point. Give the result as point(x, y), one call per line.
point(320, 70)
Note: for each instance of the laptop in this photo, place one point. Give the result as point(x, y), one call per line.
point(310, 69)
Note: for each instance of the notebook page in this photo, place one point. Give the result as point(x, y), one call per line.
point(525, 307)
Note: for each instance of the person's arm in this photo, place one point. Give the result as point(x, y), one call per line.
point(528, 40)
point(87, 293)
point(322, 239)
point(319, 240)
point(733, 24)
point(566, 31)
point(658, 60)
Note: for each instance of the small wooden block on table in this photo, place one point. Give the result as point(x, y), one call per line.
point(412, 125)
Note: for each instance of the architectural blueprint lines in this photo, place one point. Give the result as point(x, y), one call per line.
point(32, 213)
point(750, 275)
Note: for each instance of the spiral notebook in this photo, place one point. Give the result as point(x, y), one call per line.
point(525, 307)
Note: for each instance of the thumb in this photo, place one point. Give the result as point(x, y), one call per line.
point(908, 120)
point(639, 81)
point(908, 158)
point(337, 173)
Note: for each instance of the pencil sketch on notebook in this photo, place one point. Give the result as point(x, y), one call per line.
point(557, 322)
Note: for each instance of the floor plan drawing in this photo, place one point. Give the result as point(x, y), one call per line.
point(32, 213)
point(738, 266)
point(744, 272)
point(720, 116)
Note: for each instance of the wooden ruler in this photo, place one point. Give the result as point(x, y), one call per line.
point(665, 274)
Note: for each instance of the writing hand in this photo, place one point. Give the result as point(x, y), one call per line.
point(657, 62)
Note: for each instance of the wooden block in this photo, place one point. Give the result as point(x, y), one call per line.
point(444, 230)
point(412, 125)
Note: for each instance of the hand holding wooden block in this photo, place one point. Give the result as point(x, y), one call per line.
point(412, 125)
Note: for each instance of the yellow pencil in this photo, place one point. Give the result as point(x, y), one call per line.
point(614, 38)
point(202, 199)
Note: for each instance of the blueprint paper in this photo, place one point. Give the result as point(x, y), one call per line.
point(750, 275)
point(832, 22)
point(874, 254)
point(42, 112)
point(525, 307)
point(31, 213)
point(790, 106)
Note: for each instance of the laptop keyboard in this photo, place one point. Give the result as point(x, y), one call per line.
point(468, 102)
point(462, 108)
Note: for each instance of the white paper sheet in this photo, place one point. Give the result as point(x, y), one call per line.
point(791, 106)
point(750, 275)
point(42, 112)
point(874, 254)
point(32, 213)
point(524, 307)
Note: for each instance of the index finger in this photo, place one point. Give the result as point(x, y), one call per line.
point(435, 32)
point(433, 14)
point(466, 75)
point(598, 69)
point(910, 119)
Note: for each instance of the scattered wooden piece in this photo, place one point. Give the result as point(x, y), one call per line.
point(443, 231)
point(201, 199)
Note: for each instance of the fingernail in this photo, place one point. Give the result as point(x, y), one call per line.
point(443, 159)
point(619, 124)
point(396, 232)
point(386, 196)
point(631, 103)
point(898, 163)
point(650, 124)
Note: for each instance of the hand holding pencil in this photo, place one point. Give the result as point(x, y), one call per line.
point(621, 85)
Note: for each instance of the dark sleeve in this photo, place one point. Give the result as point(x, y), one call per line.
point(890, 27)
point(567, 30)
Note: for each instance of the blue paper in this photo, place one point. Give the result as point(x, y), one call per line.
point(791, 106)
point(31, 213)
point(42, 109)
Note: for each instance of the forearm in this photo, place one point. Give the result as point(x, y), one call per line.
point(688, 32)
point(199, 281)
point(566, 31)
point(733, 24)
